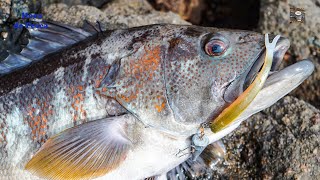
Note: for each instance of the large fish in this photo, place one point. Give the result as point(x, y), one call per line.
point(127, 104)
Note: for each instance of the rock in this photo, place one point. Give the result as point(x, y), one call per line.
point(139, 13)
point(281, 142)
point(4, 11)
point(274, 17)
point(11, 10)
point(189, 10)
point(74, 15)
point(95, 3)
point(304, 37)
point(115, 14)
point(232, 14)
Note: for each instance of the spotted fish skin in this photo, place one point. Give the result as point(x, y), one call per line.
point(171, 84)
point(160, 74)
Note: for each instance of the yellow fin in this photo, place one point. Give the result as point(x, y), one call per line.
point(86, 151)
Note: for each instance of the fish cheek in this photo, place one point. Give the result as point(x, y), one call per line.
point(188, 91)
point(192, 106)
point(139, 86)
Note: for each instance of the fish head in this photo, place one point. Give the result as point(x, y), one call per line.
point(189, 73)
point(207, 69)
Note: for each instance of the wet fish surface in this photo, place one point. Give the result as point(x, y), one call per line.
point(122, 104)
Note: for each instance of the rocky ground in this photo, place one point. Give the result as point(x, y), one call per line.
point(125, 13)
point(281, 142)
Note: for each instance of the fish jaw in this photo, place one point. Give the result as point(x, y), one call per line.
point(272, 84)
point(278, 85)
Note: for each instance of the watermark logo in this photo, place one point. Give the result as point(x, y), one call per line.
point(33, 21)
point(297, 14)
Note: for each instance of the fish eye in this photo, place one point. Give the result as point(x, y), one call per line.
point(215, 47)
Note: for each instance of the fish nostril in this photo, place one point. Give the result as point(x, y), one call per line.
point(241, 39)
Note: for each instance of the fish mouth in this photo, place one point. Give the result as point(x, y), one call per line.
point(281, 48)
point(278, 83)
point(238, 87)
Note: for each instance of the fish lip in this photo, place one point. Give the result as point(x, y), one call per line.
point(277, 85)
point(238, 86)
point(305, 67)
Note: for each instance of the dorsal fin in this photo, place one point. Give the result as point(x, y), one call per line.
point(86, 151)
point(41, 42)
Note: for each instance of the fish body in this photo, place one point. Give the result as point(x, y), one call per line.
point(122, 104)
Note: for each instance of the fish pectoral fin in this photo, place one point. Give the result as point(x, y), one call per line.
point(86, 151)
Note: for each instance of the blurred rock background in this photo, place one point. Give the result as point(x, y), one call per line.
point(281, 142)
